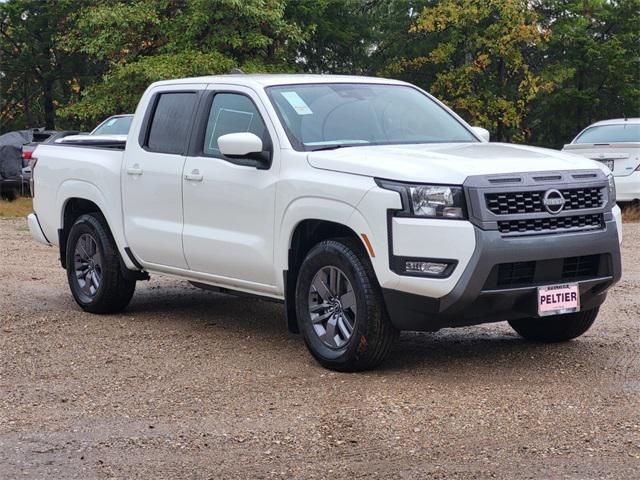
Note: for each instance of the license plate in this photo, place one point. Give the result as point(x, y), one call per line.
point(608, 163)
point(558, 299)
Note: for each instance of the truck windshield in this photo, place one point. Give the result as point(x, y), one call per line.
point(333, 115)
point(623, 133)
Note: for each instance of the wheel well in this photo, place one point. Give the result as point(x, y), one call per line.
point(74, 208)
point(307, 234)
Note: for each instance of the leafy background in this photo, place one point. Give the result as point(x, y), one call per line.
point(535, 71)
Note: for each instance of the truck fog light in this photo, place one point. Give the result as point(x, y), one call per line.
point(431, 268)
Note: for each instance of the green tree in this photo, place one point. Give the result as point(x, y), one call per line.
point(482, 61)
point(597, 42)
point(151, 40)
point(36, 73)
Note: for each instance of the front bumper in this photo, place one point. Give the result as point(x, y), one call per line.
point(476, 298)
point(628, 187)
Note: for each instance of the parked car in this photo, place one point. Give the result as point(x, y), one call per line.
point(113, 128)
point(364, 204)
point(40, 136)
point(14, 152)
point(616, 143)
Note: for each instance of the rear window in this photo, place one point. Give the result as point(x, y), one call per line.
point(623, 133)
point(169, 128)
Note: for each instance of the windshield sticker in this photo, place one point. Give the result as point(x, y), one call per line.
point(110, 122)
point(297, 103)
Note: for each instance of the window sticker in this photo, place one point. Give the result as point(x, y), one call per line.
point(110, 122)
point(297, 103)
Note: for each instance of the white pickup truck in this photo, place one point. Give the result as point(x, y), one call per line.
point(364, 204)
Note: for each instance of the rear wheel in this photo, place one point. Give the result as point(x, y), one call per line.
point(94, 268)
point(340, 310)
point(555, 328)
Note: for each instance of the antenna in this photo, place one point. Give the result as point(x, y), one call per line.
point(236, 71)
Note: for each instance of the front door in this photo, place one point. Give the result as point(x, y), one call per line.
point(152, 177)
point(229, 203)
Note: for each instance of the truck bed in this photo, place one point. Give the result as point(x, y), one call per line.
point(66, 171)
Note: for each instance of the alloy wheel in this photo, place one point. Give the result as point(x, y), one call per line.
point(332, 306)
point(88, 265)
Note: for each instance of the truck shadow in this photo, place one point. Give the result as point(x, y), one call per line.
point(491, 349)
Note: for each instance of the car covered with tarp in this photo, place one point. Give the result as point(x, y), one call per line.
point(11, 163)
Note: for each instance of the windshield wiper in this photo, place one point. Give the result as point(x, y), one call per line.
point(336, 146)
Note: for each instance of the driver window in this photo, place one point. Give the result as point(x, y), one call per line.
point(232, 113)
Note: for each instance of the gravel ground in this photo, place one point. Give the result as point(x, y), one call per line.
point(193, 384)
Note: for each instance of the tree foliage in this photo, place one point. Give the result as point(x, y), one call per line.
point(483, 54)
point(150, 40)
point(596, 43)
point(36, 73)
point(529, 70)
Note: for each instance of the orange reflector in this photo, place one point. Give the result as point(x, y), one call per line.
point(368, 244)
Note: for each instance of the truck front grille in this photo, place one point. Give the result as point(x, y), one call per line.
point(516, 273)
point(558, 270)
point(552, 224)
point(510, 203)
point(580, 267)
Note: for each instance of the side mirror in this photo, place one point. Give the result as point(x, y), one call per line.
point(482, 133)
point(239, 145)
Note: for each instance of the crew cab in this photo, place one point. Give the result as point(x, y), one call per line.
point(364, 204)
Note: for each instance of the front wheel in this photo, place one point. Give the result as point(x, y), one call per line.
point(340, 309)
point(555, 328)
point(93, 267)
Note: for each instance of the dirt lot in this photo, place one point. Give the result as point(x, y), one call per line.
point(192, 384)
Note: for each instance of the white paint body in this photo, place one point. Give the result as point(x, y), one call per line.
point(208, 220)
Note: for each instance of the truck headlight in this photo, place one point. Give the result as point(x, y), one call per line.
point(612, 188)
point(429, 201)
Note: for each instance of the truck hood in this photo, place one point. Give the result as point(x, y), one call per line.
point(446, 163)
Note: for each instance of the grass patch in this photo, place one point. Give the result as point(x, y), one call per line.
point(20, 207)
point(631, 213)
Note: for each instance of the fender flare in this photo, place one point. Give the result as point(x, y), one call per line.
point(72, 188)
point(315, 208)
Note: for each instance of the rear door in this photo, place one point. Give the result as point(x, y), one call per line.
point(152, 175)
point(229, 204)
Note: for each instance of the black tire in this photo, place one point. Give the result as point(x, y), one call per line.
point(372, 332)
point(8, 195)
point(114, 291)
point(555, 328)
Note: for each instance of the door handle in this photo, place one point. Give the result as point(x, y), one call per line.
point(194, 176)
point(134, 170)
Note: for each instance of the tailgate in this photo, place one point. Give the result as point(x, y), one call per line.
point(622, 158)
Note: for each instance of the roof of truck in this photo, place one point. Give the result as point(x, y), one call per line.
point(266, 80)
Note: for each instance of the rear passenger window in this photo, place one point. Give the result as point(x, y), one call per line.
point(169, 128)
point(232, 113)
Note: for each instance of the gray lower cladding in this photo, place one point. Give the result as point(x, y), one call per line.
point(477, 298)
